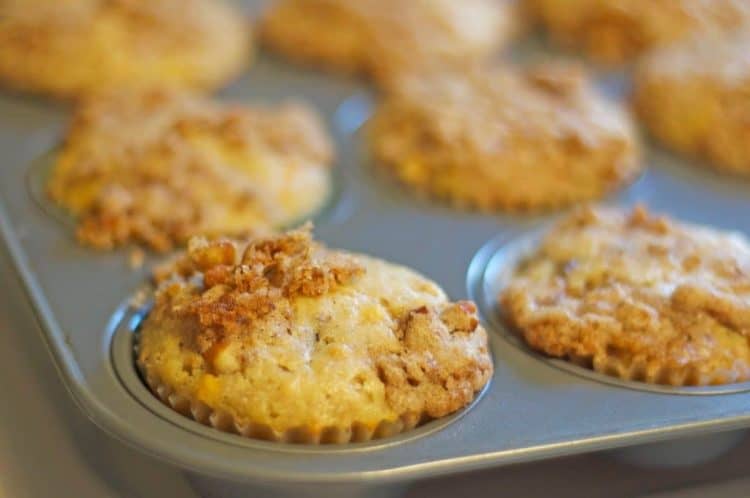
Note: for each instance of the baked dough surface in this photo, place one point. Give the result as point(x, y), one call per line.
point(637, 296)
point(156, 168)
point(381, 38)
point(286, 334)
point(73, 48)
point(695, 98)
point(618, 30)
point(505, 139)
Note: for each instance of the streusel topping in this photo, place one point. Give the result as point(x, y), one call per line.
point(284, 332)
point(695, 97)
point(160, 167)
point(504, 138)
point(639, 296)
point(615, 31)
point(241, 287)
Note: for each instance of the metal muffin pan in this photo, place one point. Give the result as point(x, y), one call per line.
point(531, 410)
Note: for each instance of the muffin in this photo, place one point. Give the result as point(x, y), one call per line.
point(504, 139)
point(617, 31)
point(695, 98)
point(379, 38)
point(73, 48)
point(158, 167)
point(637, 296)
point(281, 338)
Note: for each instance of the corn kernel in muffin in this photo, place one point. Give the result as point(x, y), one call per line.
point(159, 167)
point(505, 139)
point(70, 48)
point(287, 340)
point(617, 30)
point(695, 98)
point(380, 38)
point(637, 296)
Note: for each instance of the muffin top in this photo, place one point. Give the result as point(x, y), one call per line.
point(72, 48)
point(161, 166)
point(383, 37)
point(695, 97)
point(281, 332)
point(637, 296)
point(475, 135)
point(614, 31)
point(724, 59)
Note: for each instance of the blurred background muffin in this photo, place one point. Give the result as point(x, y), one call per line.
point(161, 166)
point(620, 30)
point(504, 138)
point(695, 98)
point(72, 48)
point(380, 38)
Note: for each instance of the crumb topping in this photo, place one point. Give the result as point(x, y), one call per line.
point(269, 272)
point(486, 108)
point(298, 335)
point(162, 166)
point(469, 135)
point(614, 31)
point(695, 97)
point(641, 291)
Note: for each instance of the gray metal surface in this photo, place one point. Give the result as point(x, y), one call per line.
point(532, 410)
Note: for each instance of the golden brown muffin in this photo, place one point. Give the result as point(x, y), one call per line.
point(383, 37)
point(73, 48)
point(284, 339)
point(695, 98)
point(637, 296)
point(617, 30)
point(159, 167)
point(505, 139)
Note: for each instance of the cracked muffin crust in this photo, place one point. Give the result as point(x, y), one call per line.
point(159, 167)
point(617, 31)
point(637, 296)
point(73, 48)
point(505, 139)
point(695, 98)
point(281, 338)
point(380, 38)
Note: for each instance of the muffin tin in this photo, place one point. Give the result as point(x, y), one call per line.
point(532, 409)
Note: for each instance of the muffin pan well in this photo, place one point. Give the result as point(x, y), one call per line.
point(123, 329)
point(531, 409)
